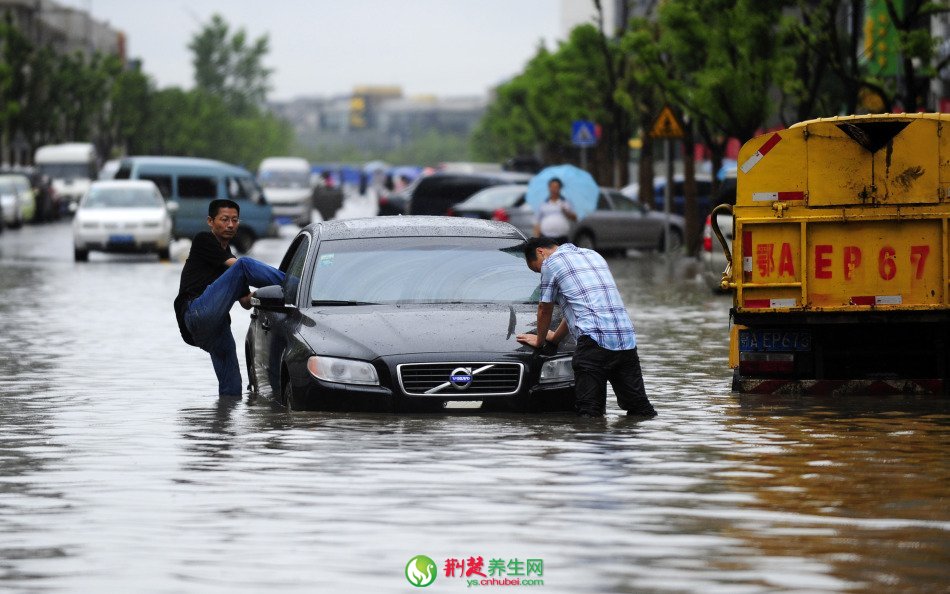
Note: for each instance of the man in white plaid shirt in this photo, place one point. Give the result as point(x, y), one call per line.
point(582, 285)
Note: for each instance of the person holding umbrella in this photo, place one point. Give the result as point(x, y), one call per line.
point(580, 282)
point(555, 214)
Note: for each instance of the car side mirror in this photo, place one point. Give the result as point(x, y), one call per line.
point(269, 298)
point(171, 206)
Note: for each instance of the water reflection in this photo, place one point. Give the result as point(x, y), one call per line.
point(120, 467)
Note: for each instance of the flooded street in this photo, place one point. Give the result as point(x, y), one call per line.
point(123, 471)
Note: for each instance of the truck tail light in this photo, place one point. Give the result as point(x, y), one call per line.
point(756, 364)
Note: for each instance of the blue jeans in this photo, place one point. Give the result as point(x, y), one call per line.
point(207, 318)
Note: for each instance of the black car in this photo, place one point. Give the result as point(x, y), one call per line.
point(406, 313)
point(435, 194)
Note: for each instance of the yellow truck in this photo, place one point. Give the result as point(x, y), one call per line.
point(839, 267)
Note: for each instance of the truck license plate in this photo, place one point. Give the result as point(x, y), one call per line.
point(774, 340)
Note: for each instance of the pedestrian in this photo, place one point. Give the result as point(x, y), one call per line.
point(580, 282)
point(211, 281)
point(555, 214)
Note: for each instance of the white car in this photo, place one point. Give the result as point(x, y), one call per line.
point(122, 216)
point(287, 186)
point(16, 200)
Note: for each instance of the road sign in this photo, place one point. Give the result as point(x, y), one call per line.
point(583, 133)
point(667, 126)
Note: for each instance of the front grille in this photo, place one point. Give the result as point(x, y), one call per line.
point(432, 379)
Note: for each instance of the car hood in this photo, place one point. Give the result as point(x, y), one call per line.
point(371, 331)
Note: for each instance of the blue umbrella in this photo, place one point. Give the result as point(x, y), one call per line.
point(577, 187)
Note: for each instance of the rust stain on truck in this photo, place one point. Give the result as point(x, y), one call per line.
point(841, 259)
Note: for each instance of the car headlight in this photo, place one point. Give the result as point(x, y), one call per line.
point(557, 370)
point(342, 371)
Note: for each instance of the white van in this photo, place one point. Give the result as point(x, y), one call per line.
point(71, 167)
point(287, 185)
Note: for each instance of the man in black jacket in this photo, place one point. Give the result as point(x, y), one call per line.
point(211, 281)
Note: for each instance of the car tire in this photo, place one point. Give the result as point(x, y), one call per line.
point(165, 254)
point(243, 241)
point(251, 372)
point(17, 222)
point(676, 240)
point(287, 396)
point(585, 239)
point(81, 255)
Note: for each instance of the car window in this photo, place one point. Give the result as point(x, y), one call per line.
point(98, 198)
point(622, 203)
point(603, 203)
point(294, 269)
point(162, 182)
point(124, 172)
point(495, 198)
point(423, 270)
point(194, 186)
point(243, 188)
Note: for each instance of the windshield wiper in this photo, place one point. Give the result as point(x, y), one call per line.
point(340, 302)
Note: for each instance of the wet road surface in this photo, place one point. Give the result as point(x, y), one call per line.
point(121, 470)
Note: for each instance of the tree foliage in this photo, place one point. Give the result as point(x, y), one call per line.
point(49, 98)
point(230, 66)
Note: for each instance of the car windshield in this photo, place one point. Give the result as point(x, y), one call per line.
point(423, 270)
point(285, 179)
point(122, 198)
point(65, 170)
point(495, 198)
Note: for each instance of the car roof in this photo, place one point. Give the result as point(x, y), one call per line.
point(123, 183)
point(184, 163)
point(412, 226)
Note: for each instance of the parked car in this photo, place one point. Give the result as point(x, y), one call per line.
point(287, 185)
point(122, 216)
point(192, 183)
point(436, 193)
point(405, 313)
point(620, 223)
point(499, 203)
point(16, 199)
point(712, 256)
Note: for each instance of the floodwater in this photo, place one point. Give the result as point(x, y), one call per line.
point(121, 470)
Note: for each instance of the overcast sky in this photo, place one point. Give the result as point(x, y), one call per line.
point(326, 47)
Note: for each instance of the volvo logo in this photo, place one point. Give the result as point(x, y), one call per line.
point(461, 377)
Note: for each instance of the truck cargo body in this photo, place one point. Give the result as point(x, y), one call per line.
point(841, 257)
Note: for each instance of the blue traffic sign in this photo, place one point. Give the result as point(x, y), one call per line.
point(583, 133)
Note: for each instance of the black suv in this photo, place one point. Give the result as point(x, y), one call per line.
point(436, 193)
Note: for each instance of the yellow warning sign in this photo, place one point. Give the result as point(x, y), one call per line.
point(667, 126)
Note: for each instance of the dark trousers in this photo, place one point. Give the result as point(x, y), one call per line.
point(594, 366)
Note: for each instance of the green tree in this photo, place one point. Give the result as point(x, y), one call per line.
point(230, 66)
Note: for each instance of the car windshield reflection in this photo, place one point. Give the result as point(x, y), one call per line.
point(422, 270)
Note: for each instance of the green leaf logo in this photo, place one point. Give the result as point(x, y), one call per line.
point(421, 571)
